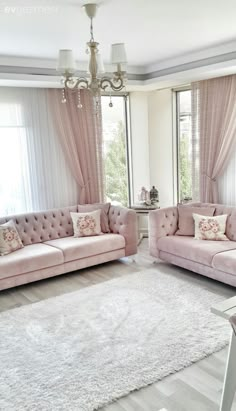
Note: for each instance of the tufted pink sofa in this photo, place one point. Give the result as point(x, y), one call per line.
point(214, 259)
point(50, 248)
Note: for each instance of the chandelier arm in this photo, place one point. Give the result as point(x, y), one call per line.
point(106, 82)
point(72, 83)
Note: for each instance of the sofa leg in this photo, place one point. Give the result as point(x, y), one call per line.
point(156, 261)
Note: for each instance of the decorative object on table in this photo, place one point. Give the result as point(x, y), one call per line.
point(143, 196)
point(186, 200)
point(69, 331)
point(154, 195)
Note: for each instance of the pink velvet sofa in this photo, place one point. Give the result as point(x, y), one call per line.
point(214, 259)
point(50, 248)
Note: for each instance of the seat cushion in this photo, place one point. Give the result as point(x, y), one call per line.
point(225, 261)
point(196, 250)
point(30, 258)
point(82, 247)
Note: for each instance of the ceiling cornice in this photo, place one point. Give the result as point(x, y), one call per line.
point(221, 58)
point(214, 51)
point(228, 57)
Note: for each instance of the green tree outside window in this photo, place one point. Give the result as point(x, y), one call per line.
point(116, 167)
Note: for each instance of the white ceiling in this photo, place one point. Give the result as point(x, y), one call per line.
point(153, 30)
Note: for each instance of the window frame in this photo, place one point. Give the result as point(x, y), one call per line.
point(127, 124)
point(177, 92)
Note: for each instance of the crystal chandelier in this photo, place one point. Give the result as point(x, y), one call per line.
point(96, 83)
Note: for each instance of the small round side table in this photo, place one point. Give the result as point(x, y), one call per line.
point(142, 210)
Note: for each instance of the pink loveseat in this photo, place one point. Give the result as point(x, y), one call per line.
point(50, 248)
point(214, 259)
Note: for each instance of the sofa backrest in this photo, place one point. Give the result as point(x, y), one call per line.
point(43, 225)
point(223, 209)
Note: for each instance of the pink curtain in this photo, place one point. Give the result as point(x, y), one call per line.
point(216, 113)
point(80, 134)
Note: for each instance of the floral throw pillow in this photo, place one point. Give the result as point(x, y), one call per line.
point(83, 208)
point(9, 238)
point(210, 228)
point(86, 224)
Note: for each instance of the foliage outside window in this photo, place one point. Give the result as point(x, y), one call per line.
point(115, 151)
point(184, 126)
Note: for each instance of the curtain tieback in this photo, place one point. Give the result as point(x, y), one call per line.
point(85, 185)
point(210, 178)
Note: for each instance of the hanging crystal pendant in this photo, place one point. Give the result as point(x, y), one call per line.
point(97, 105)
point(110, 104)
point(63, 96)
point(79, 105)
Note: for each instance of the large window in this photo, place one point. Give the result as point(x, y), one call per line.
point(116, 164)
point(33, 172)
point(184, 136)
point(13, 163)
point(188, 150)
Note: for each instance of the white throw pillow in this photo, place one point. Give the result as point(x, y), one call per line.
point(9, 238)
point(86, 224)
point(210, 228)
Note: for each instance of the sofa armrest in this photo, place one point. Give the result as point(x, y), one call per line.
point(162, 223)
point(124, 221)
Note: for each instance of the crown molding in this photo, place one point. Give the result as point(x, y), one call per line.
point(50, 64)
point(216, 61)
point(210, 52)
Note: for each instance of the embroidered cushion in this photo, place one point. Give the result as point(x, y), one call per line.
point(86, 224)
point(83, 208)
point(210, 228)
point(9, 238)
point(186, 222)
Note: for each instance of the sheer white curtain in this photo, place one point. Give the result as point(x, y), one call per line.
point(33, 171)
point(227, 183)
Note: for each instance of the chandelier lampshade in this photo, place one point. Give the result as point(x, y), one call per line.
point(118, 53)
point(66, 62)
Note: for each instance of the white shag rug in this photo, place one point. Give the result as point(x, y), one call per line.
point(82, 350)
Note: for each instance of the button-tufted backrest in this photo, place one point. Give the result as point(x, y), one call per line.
point(123, 221)
point(223, 209)
point(116, 218)
point(43, 225)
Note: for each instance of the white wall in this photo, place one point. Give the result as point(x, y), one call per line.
point(153, 148)
point(161, 145)
point(139, 141)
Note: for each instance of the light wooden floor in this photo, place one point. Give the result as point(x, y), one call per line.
point(196, 388)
